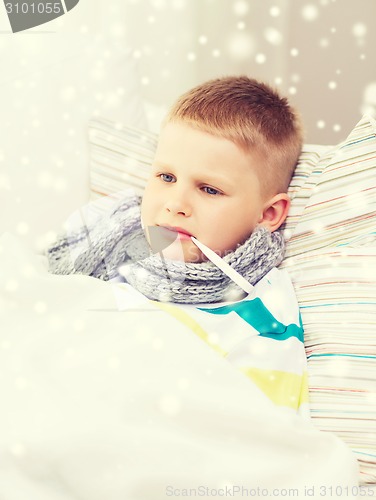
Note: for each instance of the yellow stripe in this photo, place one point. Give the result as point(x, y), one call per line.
point(188, 321)
point(281, 387)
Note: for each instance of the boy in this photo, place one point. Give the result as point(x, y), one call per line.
point(225, 157)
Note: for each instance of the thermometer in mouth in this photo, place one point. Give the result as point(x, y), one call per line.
point(226, 268)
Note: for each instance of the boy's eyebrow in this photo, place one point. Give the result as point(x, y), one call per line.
point(161, 164)
point(210, 179)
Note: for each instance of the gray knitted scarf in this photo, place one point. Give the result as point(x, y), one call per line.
point(115, 248)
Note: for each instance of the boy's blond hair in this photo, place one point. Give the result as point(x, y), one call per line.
point(252, 115)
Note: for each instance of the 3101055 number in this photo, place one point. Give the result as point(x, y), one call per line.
point(34, 8)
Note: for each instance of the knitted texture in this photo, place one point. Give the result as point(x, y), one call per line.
point(115, 248)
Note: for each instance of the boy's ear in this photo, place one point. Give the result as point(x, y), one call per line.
point(275, 211)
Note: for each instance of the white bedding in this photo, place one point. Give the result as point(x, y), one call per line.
point(98, 403)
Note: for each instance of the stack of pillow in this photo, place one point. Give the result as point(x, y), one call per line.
point(331, 257)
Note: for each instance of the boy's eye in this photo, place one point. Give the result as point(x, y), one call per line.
point(210, 190)
point(167, 177)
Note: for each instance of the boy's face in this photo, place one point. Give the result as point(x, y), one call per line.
point(201, 185)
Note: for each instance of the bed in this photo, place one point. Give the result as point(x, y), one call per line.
point(331, 255)
point(106, 395)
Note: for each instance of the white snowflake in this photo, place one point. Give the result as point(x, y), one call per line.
point(158, 4)
point(183, 383)
point(191, 56)
point(17, 450)
point(240, 7)
point(294, 52)
point(28, 271)
point(79, 325)
point(44, 179)
point(40, 307)
point(5, 182)
point(60, 184)
point(117, 30)
point(68, 93)
point(359, 30)
point(178, 4)
point(213, 338)
point(240, 46)
point(42, 242)
point(295, 78)
point(56, 322)
point(113, 363)
point(169, 405)
point(5, 345)
point(369, 99)
point(274, 11)
point(310, 12)
point(356, 201)
point(273, 36)
point(260, 58)
point(164, 296)
point(157, 344)
point(22, 228)
point(338, 367)
point(18, 84)
point(11, 285)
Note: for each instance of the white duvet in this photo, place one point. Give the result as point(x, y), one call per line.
point(103, 404)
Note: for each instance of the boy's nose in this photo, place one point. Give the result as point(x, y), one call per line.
point(178, 206)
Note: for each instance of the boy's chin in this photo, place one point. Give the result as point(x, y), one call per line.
point(188, 253)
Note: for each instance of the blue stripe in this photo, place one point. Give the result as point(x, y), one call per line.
point(358, 141)
point(366, 454)
point(338, 304)
point(261, 319)
point(329, 354)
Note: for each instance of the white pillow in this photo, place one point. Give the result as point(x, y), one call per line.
point(331, 257)
point(336, 292)
point(342, 195)
point(50, 86)
point(120, 157)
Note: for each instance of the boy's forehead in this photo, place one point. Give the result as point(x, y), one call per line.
point(179, 138)
point(184, 135)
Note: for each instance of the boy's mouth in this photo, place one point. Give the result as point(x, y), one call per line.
point(181, 233)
